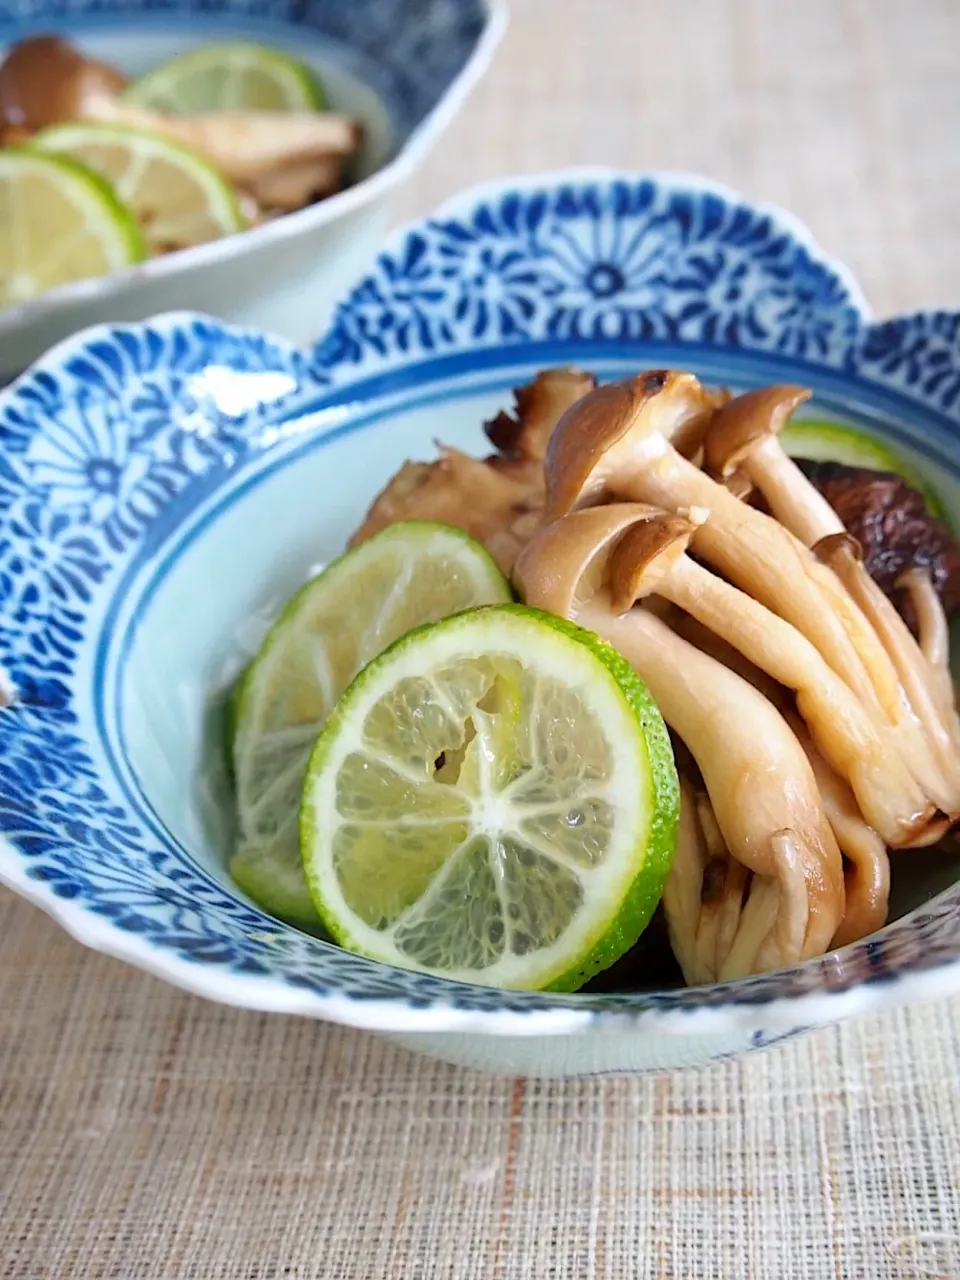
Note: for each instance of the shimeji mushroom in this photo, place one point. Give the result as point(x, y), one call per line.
point(719, 915)
point(744, 436)
point(498, 500)
point(616, 442)
point(934, 634)
point(756, 774)
point(867, 869)
point(650, 559)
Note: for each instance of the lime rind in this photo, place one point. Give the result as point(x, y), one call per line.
point(302, 89)
point(222, 201)
point(650, 768)
point(822, 441)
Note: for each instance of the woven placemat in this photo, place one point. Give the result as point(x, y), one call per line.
point(146, 1134)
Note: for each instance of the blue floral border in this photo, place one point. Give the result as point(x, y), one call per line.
point(101, 439)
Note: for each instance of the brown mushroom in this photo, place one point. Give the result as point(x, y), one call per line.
point(745, 435)
point(741, 744)
point(539, 405)
point(293, 186)
point(498, 507)
point(615, 442)
point(46, 81)
point(867, 869)
point(650, 559)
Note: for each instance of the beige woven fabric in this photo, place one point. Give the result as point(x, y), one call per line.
point(147, 1135)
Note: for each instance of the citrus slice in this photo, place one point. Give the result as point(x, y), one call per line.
point(494, 799)
point(830, 442)
point(176, 196)
point(229, 77)
point(58, 223)
point(411, 573)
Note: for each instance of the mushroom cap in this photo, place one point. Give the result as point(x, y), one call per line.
point(569, 561)
point(540, 404)
point(743, 422)
point(46, 80)
point(645, 555)
point(595, 433)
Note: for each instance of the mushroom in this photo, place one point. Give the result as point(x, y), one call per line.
point(867, 869)
point(244, 145)
point(498, 500)
point(616, 441)
point(742, 746)
point(934, 634)
point(719, 915)
point(46, 81)
point(500, 507)
point(650, 559)
point(745, 435)
point(539, 405)
point(292, 186)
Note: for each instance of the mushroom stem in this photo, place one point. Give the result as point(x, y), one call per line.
point(934, 636)
point(744, 435)
point(682, 901)
point(867, 873)
point(754, 552)
point(742, 746)
point(650, 559)
point(763, 558)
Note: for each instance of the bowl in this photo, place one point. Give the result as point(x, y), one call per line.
point(403, 70)
point(163, 486)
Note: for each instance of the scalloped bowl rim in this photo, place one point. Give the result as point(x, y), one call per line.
point(397, 1014)
point(342, 204)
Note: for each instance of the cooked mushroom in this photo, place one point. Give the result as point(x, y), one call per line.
point(292, 186)
point(619, 445)
point(499, 500)
point(744, 434)
point(244, 145)
point(891, 521)
point(650, 559)
point(867, 869)
point(742, 745)
point(496, 506)
point(46, 81)
point(539, 406)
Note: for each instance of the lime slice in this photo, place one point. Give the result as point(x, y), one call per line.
point(58, 223)
point(411, 573)
point(830, 442)
point(229, 77)
point(494, 800)
point(176, 196)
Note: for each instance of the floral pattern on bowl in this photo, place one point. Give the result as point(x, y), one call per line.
point(124, 448)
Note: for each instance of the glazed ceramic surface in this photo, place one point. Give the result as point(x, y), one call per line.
point(164, 486)
point(402, 69)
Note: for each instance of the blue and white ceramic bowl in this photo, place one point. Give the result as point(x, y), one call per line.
point(163, 484)
point(402, 69)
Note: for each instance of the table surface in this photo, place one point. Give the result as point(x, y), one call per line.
point(147, 1134)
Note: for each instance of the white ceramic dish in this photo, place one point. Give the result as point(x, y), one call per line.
point(403, 70)
point(162, 485)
